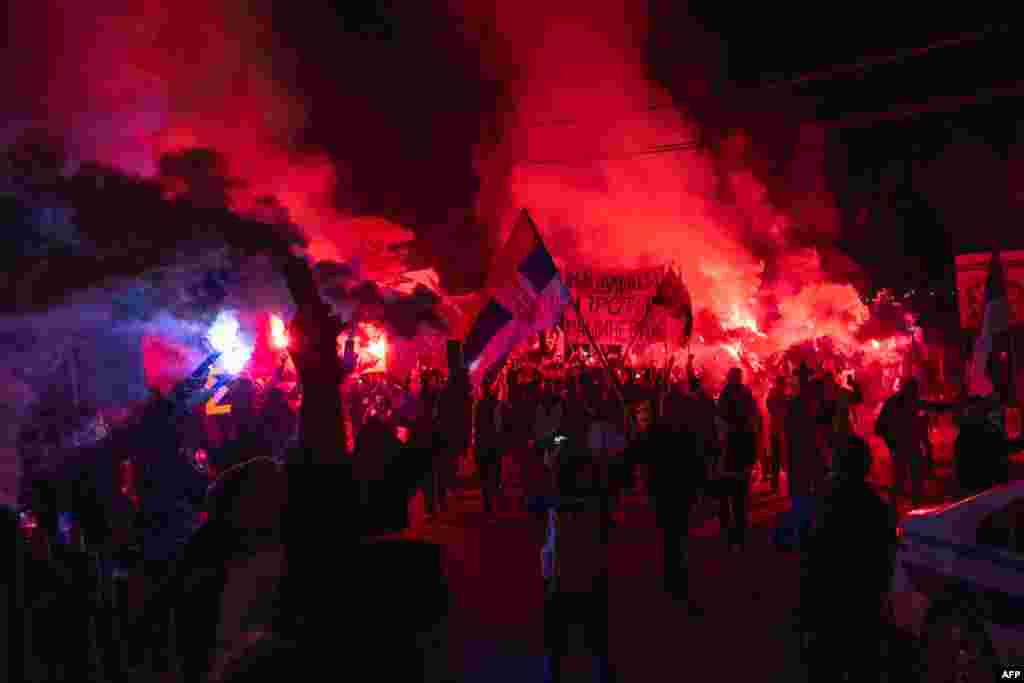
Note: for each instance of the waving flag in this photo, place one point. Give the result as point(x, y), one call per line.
point(672, 300)
point(987, 368)
point(526, 296)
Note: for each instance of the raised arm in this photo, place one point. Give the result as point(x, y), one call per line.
point(314, 333)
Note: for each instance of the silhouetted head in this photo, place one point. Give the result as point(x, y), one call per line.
point(911, 389)
point(855, 460)
point(735, 377)
point(803, 373)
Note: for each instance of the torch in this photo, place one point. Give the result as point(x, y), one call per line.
point(224, 337)
point(349, 359)
point(279, 341)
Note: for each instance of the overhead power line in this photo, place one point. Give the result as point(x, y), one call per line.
point(860, 66)
point(827, 74)
point(933, 105)
point(687, 146)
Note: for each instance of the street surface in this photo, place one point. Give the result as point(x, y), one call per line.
point(493, 566)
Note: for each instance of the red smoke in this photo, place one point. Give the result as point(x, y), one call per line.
point(572, 143)
point(578, 147)
point(134, 79)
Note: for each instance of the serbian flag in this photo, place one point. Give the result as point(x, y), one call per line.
point(672, 302)
point(526, 297)
point(989, 366)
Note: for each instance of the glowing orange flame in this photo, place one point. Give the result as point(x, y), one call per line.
point(278, 334)
point(371, 347)
point(379, 348)
point(740, 320)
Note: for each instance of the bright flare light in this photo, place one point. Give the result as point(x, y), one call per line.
point(224, 337)
point(278, 334)
point(371, 347)
point(379, 348)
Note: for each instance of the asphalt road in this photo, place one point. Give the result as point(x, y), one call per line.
point(747, 633)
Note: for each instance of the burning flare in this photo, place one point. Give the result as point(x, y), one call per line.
point(224, 336)
point(278, 334)
point(371, 347)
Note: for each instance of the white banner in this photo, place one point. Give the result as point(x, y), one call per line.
point(614, 304)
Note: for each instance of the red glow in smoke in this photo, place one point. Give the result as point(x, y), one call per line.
point(568, 153)
point(278, 333)
point(160, 77)
point(371, 348)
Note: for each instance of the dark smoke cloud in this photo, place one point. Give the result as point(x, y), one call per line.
point(403, 314)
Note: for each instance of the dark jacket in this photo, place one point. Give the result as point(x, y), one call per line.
point(806, 465)
point(486, 424)
point(851, 555)
point(738, 409)
point(677, 466)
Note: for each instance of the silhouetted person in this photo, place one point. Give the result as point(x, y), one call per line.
point(678, 471)
point(455, 424)
point(738, 410)
point(982, 449)
point(806, 464)
point(278, 422)
point(576, 569)
point(850, 564)
point(777, 401)
point(488, 434)
point(904, 428)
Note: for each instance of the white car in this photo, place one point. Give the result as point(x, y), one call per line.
point(959, 584)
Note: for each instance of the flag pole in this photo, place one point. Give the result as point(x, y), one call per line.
point(639, 329)
point(583, 321)
point(647, 313)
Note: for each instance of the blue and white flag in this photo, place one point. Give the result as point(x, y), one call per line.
point(526, 296)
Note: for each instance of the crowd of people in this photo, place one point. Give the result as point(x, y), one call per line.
point(154, 531)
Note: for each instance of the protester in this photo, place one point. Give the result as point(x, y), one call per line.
point(548, 419)
point(488, 434)
point(576, 568)
point(903, 427)
point(806, 467)
point(982, 449)
point(777, 400)
point(278, 422)
point(678, 471)
point(170, 491)
point(455, 423)
point(739, 412)
point(855, 523)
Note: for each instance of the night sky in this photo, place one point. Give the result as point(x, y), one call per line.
point(402, 98)
point(907, 175)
